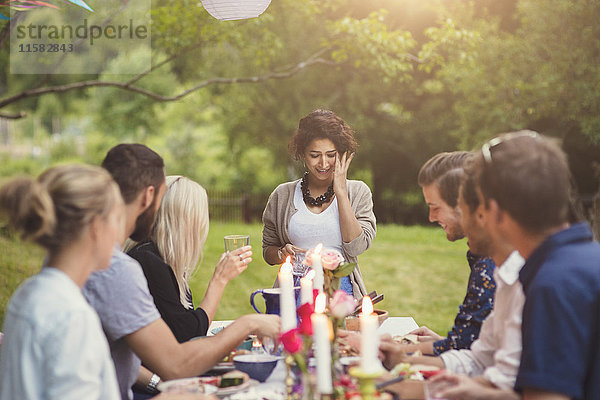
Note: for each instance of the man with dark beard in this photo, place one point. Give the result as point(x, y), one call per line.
point(135, 331)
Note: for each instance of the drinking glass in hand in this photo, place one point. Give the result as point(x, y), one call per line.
point(233, 242)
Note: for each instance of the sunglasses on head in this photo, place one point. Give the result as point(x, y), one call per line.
point(486, 149)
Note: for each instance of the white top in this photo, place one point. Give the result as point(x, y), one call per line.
point(496, 354)
point(308, 229)
point(53, 345)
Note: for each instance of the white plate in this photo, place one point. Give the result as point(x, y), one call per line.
point(224, 392)
point(186, 385)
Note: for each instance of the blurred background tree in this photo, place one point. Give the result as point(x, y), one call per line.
point(413, 77)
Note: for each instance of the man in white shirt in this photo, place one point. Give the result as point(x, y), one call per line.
point(494, 357)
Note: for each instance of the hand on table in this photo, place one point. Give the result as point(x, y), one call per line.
point(233, 263)
point(391, 352)
point(350, 338)
point(450, 386)
point(425, 334)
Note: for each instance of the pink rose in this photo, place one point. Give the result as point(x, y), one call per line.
point(342, 304)
point(305, 311)
point(291, 341)
point(331, 258)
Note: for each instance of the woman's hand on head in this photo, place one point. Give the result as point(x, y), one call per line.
point(340, 174)
point(232, 264)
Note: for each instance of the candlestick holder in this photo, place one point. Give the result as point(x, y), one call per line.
point(366, 382)
point(289, 379)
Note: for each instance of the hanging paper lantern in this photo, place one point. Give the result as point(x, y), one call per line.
point(225, 10)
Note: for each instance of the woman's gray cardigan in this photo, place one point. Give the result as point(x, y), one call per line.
point(280, 208)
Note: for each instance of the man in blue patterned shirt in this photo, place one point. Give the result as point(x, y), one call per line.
point(440, 179)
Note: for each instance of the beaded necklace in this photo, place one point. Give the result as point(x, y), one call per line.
point(320, 200)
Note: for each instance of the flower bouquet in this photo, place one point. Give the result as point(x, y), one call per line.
point(334, 267)
point(316, 334)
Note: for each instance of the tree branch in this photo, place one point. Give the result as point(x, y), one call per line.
point(314, 59)
point(8, 25)
point(13, 116)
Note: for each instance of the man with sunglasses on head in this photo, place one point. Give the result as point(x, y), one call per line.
point(494, 357)
point(440, 178)
point(524, 182)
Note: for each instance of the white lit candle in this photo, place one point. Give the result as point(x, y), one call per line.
point(320, 325)
point(318, 268)
point(306, 288)
point(287, 301)
point(369, 341)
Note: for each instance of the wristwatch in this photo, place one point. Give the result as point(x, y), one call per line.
point(154, 381)
point(279, 253)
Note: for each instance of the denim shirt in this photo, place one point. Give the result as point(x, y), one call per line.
point(477, 305)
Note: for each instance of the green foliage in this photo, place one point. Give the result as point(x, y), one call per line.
point(10, 167)
point(419, 272)
point(542, 75)
point(448, 44)
point(344, 270)
point(19, 261)
point(413, 79)
point(369, 44)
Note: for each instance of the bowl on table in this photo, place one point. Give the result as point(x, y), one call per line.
point(257, 366)
point(353, 321)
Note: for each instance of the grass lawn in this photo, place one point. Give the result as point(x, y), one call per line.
point(420, 273)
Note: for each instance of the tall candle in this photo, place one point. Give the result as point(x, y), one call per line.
point(287, 301)
point(306, 288)
point(318, 268)
point(369, 341)
point(320, 325)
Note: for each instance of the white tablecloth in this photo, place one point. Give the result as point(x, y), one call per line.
point(395, 326)
point(274, 388)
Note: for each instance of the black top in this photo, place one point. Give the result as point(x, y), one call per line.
point(184, 323)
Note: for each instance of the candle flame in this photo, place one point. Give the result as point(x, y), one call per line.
point(310, 275)
point(320, 303)
point(367, 306)
point(286, 267)
point(318, 248)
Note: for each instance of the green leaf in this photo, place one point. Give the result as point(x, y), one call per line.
point(344, 270)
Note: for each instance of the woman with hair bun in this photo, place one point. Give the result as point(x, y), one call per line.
point(324, 206)
point(53, 345)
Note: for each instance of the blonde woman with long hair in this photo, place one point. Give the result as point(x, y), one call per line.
point(172, 254)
